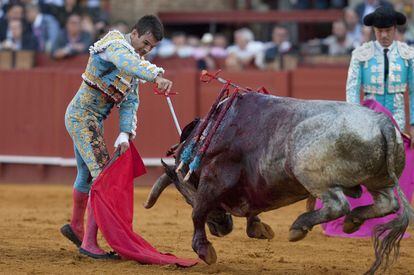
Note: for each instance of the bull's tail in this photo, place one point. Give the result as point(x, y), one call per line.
point(387, 237)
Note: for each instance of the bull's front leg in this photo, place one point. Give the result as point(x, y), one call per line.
point(216, 182)
point(201, 245)
point(258, 229)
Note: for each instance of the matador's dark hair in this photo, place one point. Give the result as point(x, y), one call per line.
point(152, 24)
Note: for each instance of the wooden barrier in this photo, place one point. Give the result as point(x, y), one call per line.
point(237, 17)
point(328, 83)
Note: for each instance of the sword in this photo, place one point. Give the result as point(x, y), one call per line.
point(170, 105)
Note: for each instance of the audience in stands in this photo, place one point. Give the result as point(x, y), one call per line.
point(201, 52)
point(88, 26)
point(63, 12)
point(14, 11)
point(18, 39)
point(121, 26)
point(44, 27)
point(73, 40)
point(178, 46)
point(339, 43)
point(367, 34)
point(274, 50)
point(219, 46)
point(65, 28)
point(244, 50)
point(354, 28)
point(318, 4)
point(368, 6)
point(93, 8)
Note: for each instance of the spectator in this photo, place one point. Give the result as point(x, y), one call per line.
point(50, 6)
point(18, 40)
point(63, 12)
point(367, 34)
point(400, 34)
point(279, 45)
point(121, 26)
point(93, 8)
point(44, 27)
point(218, 48)
point(14, 11)
point(88, 26)
point(338, 43)
point(369, 6)
point(3, 6)
point(353, 27)
point(202, 52)
point(101, 27)
point(72, 41)
point(408, 9)
point(244, 50)
point(177, 47)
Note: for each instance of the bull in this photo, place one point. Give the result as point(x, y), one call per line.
point(270, 152)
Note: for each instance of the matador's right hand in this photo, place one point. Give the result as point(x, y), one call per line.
point(163, 85)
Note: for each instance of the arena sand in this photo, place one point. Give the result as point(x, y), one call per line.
point(30, 242)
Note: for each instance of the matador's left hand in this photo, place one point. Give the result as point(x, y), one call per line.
point(122, 143)
point(123, 147)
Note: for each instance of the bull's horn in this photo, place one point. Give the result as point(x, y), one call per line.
point(159, 186)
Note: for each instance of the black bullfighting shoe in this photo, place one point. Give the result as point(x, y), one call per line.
point(68, 233)
point(107, 256)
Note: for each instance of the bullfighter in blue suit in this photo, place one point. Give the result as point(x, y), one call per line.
point(115, 67)
point(384, 68)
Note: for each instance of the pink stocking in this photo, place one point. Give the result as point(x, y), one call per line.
point(90, 242)
point(80, 201)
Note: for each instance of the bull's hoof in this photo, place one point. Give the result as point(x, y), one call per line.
point(351, 225)
point(297, 234)
point(260, 230)
point(208, 254)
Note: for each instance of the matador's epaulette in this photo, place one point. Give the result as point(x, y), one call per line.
point(113, 36)
point(364, 52)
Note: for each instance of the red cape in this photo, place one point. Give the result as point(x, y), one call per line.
point(112, 198)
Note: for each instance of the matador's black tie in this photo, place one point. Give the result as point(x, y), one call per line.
point(386, 65)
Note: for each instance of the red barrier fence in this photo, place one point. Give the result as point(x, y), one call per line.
point(34, 103)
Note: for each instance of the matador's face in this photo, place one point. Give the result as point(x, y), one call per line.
point(143, 44)
point(385, 36)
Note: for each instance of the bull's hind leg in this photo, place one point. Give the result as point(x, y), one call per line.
point(385, 203)
point(335, 205)
point(258, 229)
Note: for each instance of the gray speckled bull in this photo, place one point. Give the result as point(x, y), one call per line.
point(270, 152)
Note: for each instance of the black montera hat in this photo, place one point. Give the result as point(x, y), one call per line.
point(384, 17)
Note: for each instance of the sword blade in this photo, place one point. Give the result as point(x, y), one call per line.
point(177, 125)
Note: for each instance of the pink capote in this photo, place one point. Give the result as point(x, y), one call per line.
point(334, 228)
point(112, 198)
